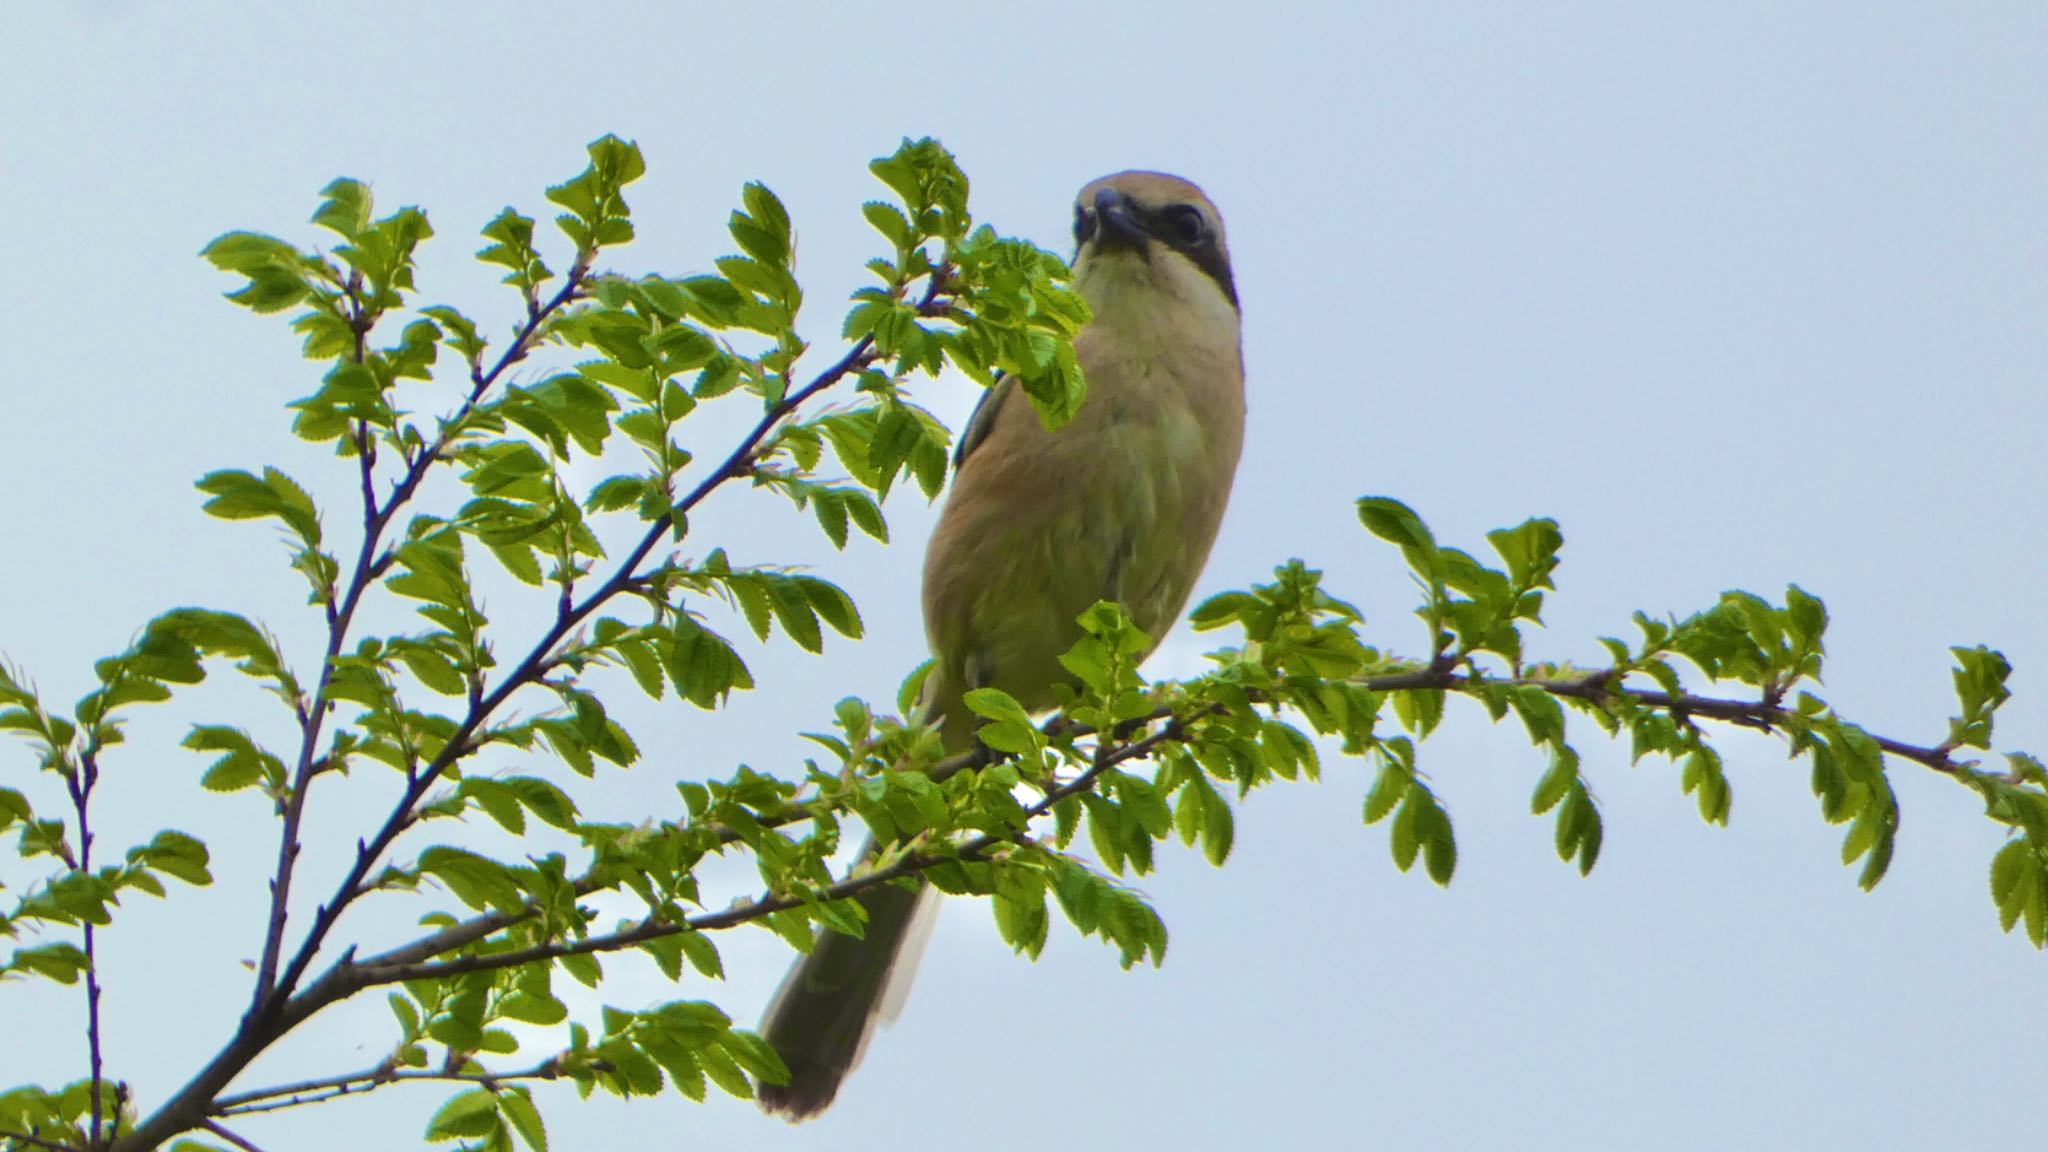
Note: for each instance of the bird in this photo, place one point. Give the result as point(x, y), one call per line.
point(1122, 503)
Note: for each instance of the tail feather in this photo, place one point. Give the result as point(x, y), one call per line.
point(822, 1017)
point(909, 954)
point(827, 1008)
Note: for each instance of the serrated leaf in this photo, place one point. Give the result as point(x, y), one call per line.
point(517, 1106)
point(473, 1113)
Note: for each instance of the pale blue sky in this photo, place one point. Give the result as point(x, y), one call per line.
point(1742, 295)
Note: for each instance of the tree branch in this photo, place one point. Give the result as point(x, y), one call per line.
point(80, 785)
point(1756, 715)
point(533, 666)
point(736, 464)
point(416, 959)
point(33, 1141)
point(230, 1137)
point(368, 566)
point(369, 1080)
point(1761, 715)
point(278, 1006)
point(477, 927)
point(350, 978)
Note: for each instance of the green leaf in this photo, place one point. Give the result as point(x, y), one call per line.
point(702, 666)
point(496, 801)
point(1579, 831)
point(588, 970)
point(511, 247)
point(832, 605)
point(277, 272)
point(64, 963)
point(1387, 791)
point(516, 1104)
point(243, 764)
point(1530, 552)
point(702, 954)
point(897, 434)
point(995, 704)
point(890, 222)
point(2015, 880)
point(1404, 838)
point(1980, 676)
point(1563, 774)
point(763, 230)
point(431, 666)
point(597, 213)
point(1806, 618)
point(719, 1067)
point(533, 1007)
point(346, 209)
point(473, 1113)
point(1439, 845)
point(1703, 775)
point(1541, 714)
point(477, 881)
point(793, 611)
point(241, 496)
point(544, 799)
point(175, 854)
point(1396, 523)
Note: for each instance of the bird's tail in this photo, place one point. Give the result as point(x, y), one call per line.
point(830, 1003)
point(832, 999)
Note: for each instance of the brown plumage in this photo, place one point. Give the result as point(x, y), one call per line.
point(1122, 503)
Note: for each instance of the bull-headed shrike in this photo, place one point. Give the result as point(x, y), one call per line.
point(1122, 503)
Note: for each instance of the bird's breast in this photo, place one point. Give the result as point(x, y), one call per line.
point(1122, 503)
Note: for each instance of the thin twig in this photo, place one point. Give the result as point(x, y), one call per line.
point(1761, 715)
point(227, 1135)
point(370, 1079)
point(80, 785)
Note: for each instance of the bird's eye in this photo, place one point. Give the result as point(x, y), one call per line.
point(1084, 224)
point(1185, 223)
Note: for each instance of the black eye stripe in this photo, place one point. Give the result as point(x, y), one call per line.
point(1182, 225)
point(1211, 260)
point(1201, 249)
point(1173, 224)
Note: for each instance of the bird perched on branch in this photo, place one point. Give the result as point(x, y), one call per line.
point(1122, 504)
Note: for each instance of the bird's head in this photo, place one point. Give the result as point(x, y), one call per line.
point(1144, 235)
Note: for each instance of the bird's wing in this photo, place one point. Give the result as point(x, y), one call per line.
point(982, 420)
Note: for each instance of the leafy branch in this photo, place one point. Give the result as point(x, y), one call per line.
point(1125, 763)
point(757, 293)
point(347, 212)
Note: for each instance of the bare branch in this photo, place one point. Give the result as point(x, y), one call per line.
point(369, 1080)
point(227, 1135)
point(80, 785)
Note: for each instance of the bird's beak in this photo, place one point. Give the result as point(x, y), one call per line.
point(1117, 224)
